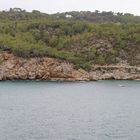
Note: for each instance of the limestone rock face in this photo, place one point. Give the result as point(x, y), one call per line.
point(15, 68)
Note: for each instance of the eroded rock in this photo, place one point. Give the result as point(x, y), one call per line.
point(13, 68)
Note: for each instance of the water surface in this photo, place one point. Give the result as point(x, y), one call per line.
point(104, 110)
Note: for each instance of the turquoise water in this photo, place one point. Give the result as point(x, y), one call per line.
point(103, 110)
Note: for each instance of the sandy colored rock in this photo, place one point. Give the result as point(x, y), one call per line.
point(15, 68)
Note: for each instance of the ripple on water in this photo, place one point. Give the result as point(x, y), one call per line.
point(70, 111)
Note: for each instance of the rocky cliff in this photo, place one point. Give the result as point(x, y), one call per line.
point(15, 68)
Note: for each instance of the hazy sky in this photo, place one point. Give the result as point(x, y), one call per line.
point(53, 6)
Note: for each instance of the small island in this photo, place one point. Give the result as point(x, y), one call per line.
point(70, 46)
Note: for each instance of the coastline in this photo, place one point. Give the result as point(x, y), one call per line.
point(51, 69)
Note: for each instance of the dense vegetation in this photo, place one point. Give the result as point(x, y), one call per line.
point(73, 38)
point(100, 17)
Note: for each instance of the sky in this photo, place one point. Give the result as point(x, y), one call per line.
point(53, 6)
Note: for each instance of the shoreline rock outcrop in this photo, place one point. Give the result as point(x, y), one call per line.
point(15, 68)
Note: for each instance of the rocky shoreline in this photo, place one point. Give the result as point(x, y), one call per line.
point(15, 68)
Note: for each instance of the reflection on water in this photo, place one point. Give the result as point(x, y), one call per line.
point(104, 110)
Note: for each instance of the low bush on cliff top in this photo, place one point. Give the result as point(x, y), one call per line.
point(82, 43)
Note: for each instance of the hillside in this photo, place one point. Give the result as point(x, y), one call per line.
point(74, 39)
point(99, 17)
